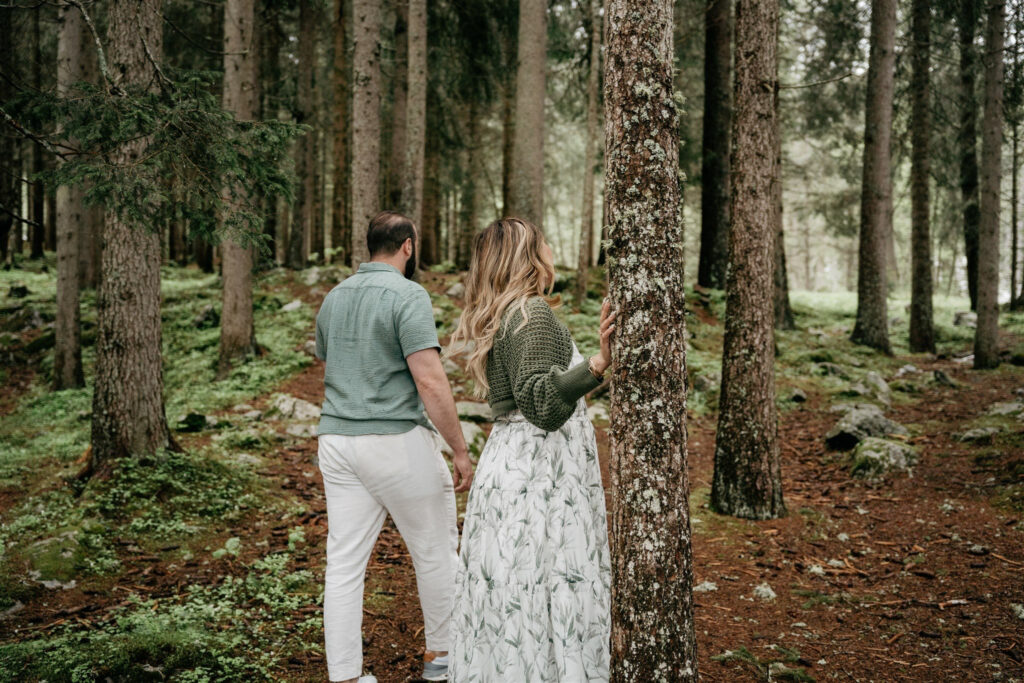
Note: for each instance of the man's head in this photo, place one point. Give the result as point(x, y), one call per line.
point(390, 236)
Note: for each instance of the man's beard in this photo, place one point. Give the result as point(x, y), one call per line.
point(410, 265)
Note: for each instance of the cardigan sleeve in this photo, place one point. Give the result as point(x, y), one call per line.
point(536, 359)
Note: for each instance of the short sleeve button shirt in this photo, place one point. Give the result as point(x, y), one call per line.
point(365, 329)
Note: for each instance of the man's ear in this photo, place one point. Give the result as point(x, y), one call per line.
point(407, 247)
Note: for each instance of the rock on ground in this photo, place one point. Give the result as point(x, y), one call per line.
point(474, 436)
point(598, 411)
point(456, 291)
point(1009, 408)
point(859, 423)
point(301, 431)
point(875, 457)
point(292, 408)
point(471, 410)
point(978, 435)
point(764, 592)
point(292, 306)
point(965, 319)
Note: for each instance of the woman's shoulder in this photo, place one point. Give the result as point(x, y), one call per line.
point(537, 311)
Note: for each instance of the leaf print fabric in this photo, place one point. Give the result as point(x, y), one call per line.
point(533, 585)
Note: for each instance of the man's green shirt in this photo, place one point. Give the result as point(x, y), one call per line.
point(366, 328)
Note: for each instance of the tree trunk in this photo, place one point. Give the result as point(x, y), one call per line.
point(467, 223)
point(1014, 201)
point(986, 335)
point(270, 39)
point(341, 226)
point(714, 207)
point(298, 236)
point(967, 140)
point(747, 480)
point(365, 123)
point(783, 311)
point(90, 228)
point(395, 185)
point(38, 191)
point(9, 198)
point(526, 193)
point(430, 242)
point(922, 331)
point(71, 214)
point(416, 116)
point(872, 327)
point(237, 329)
point(652, 558)
point(128, 408)
point(508, 120)
point(589, 156)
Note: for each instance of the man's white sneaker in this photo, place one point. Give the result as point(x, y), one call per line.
point(436, 669)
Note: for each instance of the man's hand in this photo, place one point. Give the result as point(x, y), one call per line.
point(462, 472)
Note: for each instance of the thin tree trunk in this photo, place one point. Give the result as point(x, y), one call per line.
point(872, 326)
point(986, 335)
point(1014, 201)
point(508, 120)
point(468, 219)
point(714, 208)
point(38, 191)
point(237, 328)
point(967, 140)
point(431, 229)
point(416, 116)
point(401, 84)
point(9, 198)
point(341, 225)
point(71, 214)
point(128, 409)
point(90, 229)
point(652, 557)
point(298, 236)
point(365, 123)
point(783, 311)
point(589, 155)
point(922, 331)
point(526, 196)
point(747, 481)
point(270, 76)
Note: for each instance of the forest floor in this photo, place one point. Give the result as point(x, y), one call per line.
point(207, 564)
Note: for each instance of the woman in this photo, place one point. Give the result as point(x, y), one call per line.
point(532, 590)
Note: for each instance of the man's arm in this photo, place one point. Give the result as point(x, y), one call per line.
point(436, 393)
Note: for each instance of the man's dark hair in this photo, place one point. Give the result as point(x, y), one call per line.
point(388, 231)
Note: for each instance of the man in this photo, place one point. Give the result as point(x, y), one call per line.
point(378, 454)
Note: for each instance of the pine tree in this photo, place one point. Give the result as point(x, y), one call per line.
point(128, 407)
point(715, 176)
point(986, 337)
point(590, 152)
point(237, 327)
point(526, 196)
point(302, 216)
point(415, 137)
point(341, 225)
point(967, 137)
point(365, 123)
point(747, 481)
point(922, 332)
point(652, 570)
point(872, 326)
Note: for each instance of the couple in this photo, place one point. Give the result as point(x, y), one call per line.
point(528, 598)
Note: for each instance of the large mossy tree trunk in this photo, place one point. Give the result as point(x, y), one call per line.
point(986, 335)
point(237, 328)
point(585, 256)
point(872, 326)
point(128, 406)
point(652, 561)
point(341, 224)
point(71, 216)
point(747, 480)
point(922, 329)
point(526, 192)
point(714, 206)
point(302, 214)
point(967, 140)
point(365, 123)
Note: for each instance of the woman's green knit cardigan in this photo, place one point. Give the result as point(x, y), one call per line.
point(528, 368)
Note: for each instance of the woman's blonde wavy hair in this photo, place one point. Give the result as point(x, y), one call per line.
point(508, 266)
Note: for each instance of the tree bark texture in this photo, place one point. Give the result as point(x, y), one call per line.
point(341, 224)
point(714, 207)
point(967, 139)
point(237, 328)
point(416, 114)
point(526, 193)
point(365, 123)
point(589, 155)
point(652, 566)
point(783, 311)
point(986, 335)
point(37, 164)
point(872, 326)
point(1014, 217)
point(302, 214)
point(399, 107)
point(128, 408)
point(922, 330)
point(8, 169)
point(467, 223)
point(747, 480)
point(71, 214)
point(431, 227)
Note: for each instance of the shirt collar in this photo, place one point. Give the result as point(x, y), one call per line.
point(376, 267)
